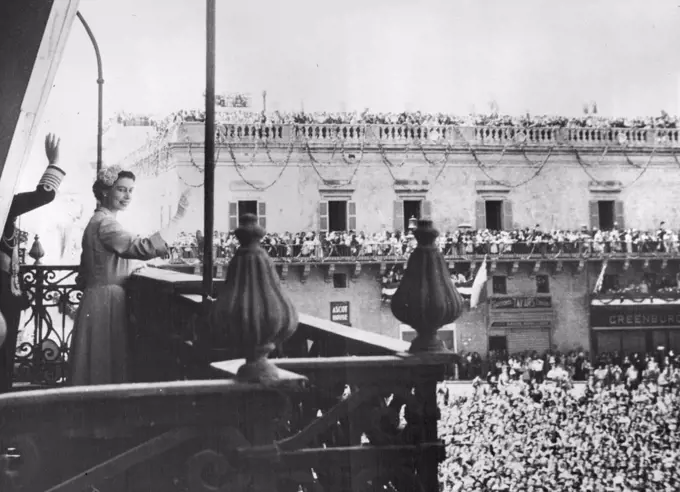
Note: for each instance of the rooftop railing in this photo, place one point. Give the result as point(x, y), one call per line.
point(438, 135)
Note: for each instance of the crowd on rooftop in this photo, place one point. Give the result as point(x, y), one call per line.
point(531, 430)
point(418, 118)
point(413, 118)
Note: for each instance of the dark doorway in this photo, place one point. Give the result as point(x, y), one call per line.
point(411, 209)
point(494, 215)
point(337, 216)
point(605, 210)
point(498, 343)
point(247, 207)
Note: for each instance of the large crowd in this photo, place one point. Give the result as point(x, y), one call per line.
point(418, 118)
point(531, 430)
point(461, 242)
point(410, 118)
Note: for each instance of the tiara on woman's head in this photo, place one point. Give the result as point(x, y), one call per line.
point(109, 175)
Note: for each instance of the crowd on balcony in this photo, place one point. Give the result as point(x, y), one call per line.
point(418, 118)
point(664, 286)
point(619, 434)
point(312, 246)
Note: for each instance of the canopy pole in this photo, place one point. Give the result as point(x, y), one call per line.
point(209, 159)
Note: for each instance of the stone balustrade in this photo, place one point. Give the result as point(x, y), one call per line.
point(456, 137)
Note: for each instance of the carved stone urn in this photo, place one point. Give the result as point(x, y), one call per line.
point(426, 298)
point(252, 313)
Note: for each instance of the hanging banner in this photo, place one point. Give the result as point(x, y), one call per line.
point(520, 302)
point(340, 312)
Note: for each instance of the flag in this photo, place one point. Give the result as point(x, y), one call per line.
point(478, 285)
point(600, 279)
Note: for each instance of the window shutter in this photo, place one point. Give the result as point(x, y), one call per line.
point(398, 216)
point(618, 213)
point(233, 215)
point(480, 211)
point(426, 210)
point(508, 221)
point(352, 215)
point(323, 216)
point(262, 214)
point(594, 215)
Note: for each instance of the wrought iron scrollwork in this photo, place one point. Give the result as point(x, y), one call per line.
point(210, 470)
point(42, 355)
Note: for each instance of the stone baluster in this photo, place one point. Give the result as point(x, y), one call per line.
point(426, 298)
point(36, 252)
point(252, 313)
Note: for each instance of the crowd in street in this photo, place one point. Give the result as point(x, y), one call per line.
point(461, 242)
point(532, 431)
point(575, 365)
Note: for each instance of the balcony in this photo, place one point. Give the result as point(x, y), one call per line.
point(187, 258)
point(455, 137)
point(330, 421)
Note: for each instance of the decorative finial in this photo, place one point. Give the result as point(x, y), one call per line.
point(252, 313)
point(426, 298)
point(36, 252)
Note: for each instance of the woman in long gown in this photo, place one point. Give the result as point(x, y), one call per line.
point(99, 352)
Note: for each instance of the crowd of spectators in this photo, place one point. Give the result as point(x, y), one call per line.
point(461, 242)
point(576, 365)
point(531, 430)
point(418, 118)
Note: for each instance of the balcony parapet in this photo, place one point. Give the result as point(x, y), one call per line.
point(456, 137)
point(172, 433)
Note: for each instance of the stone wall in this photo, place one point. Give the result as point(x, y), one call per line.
point(567, 289)
point(554, 195)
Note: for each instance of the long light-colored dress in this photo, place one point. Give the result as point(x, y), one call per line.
point(100, 351)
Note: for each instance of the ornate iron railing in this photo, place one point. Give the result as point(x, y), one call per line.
point(45, 329)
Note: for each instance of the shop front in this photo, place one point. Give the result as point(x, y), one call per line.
point(520, 324)
point(631, 326)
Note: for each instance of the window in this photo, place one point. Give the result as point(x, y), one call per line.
point(337, 216)
point(247, 207)
point(498, 343)
point(411, 209)
point(499, 285)
point(340, 280)
point(405, 209)
point(606, 214)
point(542, 284)
point(605, 210)
point(494, 215)
point(610, 283)
point(237, 209)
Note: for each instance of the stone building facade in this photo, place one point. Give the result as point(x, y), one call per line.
point(315, 178)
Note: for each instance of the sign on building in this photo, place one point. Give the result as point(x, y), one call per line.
point(340, 312)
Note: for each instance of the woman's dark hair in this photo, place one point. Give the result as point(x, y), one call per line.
point(99, 187)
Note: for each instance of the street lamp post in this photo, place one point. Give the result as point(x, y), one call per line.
point(209, 159)
point(100, 83)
